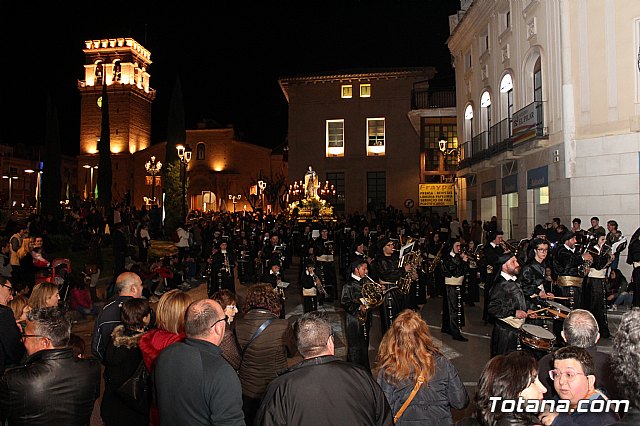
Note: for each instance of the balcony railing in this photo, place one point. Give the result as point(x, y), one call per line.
point(527, 123)
point(424, 98)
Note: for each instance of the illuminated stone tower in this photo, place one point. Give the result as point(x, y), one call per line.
point(122, 64)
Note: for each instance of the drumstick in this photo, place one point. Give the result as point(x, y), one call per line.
point(539, 310)
point(558, 297)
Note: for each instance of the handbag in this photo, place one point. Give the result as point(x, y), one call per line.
point(134, 392)
point(419, 383)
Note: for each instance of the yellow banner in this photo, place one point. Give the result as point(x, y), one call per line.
point(436, 194)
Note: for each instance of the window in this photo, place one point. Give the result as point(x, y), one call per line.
point(365, 90)
point(376, 190)
point(507, 20)
point(485, 105)
point(347, 91)
point(375, 136)
point(335, 138)
point(338, 200)
point(433, 128)
point(484, 43)
point(200, 150)
point(117, 70)
point(506, 97)
point(98, 73)
point(467, 61)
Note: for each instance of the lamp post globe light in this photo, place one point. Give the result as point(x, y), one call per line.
point(153, 168)
point(235, 199)
point(184, 154)
point(262, 185)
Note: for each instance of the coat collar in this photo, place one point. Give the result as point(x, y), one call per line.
point(203, 345)
point(319, 360)
point(47, 354)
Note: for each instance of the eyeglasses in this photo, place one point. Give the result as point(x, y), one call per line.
point(570, 375)
point(13, 292)
point(221, 319)
point(542, 250)
point(232, 307)
point(26, 336)
point(390, 245)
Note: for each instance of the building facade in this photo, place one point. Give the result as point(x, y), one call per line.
point(353, 128)
point(220, 164)
point(548, 102)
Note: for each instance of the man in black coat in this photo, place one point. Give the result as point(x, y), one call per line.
point(11, 348)
point(194, 384)
point(454, 267)
point(356, 330)
point(490, 267)
point(308, 392)
point(565, 264)
point(54, 387)
point(507, 307)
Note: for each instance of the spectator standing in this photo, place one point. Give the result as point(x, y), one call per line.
point(407, 360)
point(143, 241)
point(121, 359)
point(626, 364)
point(53, 387)
point(229, 344)
point(15, 243)
point(322, 389)
point(11, 349)
point(183, 241)
point(264, 353)
point(194, 384)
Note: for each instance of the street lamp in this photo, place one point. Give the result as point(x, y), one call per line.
point(153, 168)
point(38, 185)
point(184, 153)
point(235, 199)
point(442, 144)
point(262, 185)
point(11, 176)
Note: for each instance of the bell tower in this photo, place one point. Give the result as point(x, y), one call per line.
point(122, 64)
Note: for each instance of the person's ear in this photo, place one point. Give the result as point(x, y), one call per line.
point(597, 337)
point(592, 381)
point(564, 337)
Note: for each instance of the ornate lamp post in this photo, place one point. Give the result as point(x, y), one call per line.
point(235, 199)
point(153, 168)
point(262, 185)
point(184, 153)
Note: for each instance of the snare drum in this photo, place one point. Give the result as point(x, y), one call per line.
point(558, 310)
point(537, 337)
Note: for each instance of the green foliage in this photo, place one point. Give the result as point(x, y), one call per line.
point(173, 197)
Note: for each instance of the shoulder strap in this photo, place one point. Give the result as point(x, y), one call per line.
point(257, 333)
point(419, 383)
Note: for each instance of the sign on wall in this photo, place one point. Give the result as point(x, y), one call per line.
point(524, 123)
point(436, 194)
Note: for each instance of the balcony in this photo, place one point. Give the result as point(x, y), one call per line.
point(525, 125)
point(426, 98)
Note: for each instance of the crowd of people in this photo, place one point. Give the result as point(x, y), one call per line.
point(228, 359)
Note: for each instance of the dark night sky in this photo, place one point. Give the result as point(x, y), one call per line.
point(228, 58)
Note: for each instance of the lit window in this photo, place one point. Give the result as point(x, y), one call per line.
point(365, 90)
point(200, 151)
point(335, 138)
point(347, 91)
point(375, 136)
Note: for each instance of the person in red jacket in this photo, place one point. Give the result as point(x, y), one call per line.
point(170, 329)
point(81, 297)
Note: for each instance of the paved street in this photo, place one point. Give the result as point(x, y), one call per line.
point(468, 357)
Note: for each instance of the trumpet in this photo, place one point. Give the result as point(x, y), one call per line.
point(279, 290)
point(510, 248)
point(319, 285)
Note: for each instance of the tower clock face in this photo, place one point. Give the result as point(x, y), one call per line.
point(99, 102)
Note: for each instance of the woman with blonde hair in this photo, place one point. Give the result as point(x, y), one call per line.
point(419, 382)
point(19, 306)
point(44, 295)
point(169, 329)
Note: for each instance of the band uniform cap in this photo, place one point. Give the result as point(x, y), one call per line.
point(504, 258)
point(491, 235)
point(309, 262)
point(274, 261)
point(567, 236)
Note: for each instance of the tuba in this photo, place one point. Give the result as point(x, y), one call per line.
point(413, 258)
point(372, 296)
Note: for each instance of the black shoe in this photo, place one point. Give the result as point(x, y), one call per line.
point(460, 338)
point(445, 331)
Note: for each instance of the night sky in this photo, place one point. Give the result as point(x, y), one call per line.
point(228, 58)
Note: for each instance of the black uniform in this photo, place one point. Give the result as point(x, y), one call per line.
point(565, 264)
point(326, 268)
point(385, 269)
point(595, 294)
point(222, 276)
point(357, 337)
point(505, 298)
point(454, 270)
point(490, 272)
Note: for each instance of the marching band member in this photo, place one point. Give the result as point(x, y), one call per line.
point(311, 285)
point(222, 268)
point(507, 307)
point(357, 337)
point(385, 270)
point(597, 287)
point(491, 268)
point(272, 276)
point(323, 251)
point(566, 263)
point(455, 266)
point(532, 275)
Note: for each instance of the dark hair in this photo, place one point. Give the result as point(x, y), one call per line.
point(504, 376)
point(224, 297)
point(579, 354)
point(625, 359)
point(262, 296)
point(612, 223)
point(133, 312)
point(576, 220)
point(52, 324)
point(311, 331)
point(76, 344)
point(538, 241)
point(596, 218)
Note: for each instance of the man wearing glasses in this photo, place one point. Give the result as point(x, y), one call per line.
point(53, 387)
point(194, 384)
point(11, 349)
point(574, 379)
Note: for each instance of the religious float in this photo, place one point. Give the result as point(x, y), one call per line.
point(310, 206)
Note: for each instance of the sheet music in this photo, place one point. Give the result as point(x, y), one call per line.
point(406, 249)
point(283, 284)
point(513, 321)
